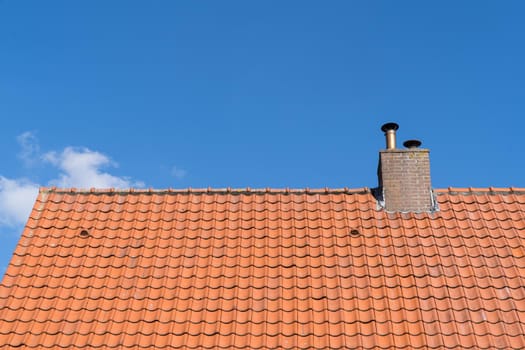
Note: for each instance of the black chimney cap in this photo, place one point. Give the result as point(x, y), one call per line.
point(412, 143)
point(389, 126)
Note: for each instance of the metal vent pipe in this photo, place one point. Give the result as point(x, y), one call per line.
point(390, 132)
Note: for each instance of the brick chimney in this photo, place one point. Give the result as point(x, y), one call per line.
point(404, 175)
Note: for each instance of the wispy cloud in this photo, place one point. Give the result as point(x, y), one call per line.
point(16, 200)
point(81, 167)
point(29, 148)
point(178, 173)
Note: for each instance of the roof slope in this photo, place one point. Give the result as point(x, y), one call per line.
point(266, 269)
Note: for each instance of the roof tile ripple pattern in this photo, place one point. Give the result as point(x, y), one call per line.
point(266, 269)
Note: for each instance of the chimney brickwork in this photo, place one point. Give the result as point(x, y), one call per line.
point(404, 179)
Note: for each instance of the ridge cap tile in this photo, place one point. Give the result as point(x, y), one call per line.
point(480, 191)
point(208, 190)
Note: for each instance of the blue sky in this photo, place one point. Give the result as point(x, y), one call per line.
point(253, 93)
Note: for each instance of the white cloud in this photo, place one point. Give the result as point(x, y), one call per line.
point(29, 148)
point(17, 197)
point(77, 167)
point(81, 168)
point(178, 173)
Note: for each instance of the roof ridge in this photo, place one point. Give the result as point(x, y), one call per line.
point(480, 190)
point(248, 190)
point(208, 190)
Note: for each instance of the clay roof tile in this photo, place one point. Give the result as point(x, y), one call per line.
point(266, 268)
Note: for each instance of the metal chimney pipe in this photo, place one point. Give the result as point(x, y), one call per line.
point(390, 132)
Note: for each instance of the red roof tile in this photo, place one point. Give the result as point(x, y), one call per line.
point(263, 269)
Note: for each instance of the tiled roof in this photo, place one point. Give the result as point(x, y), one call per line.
point(261, 269)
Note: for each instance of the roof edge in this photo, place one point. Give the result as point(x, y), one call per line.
point(248, 190)
point(208, 190)
point(480, 190)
